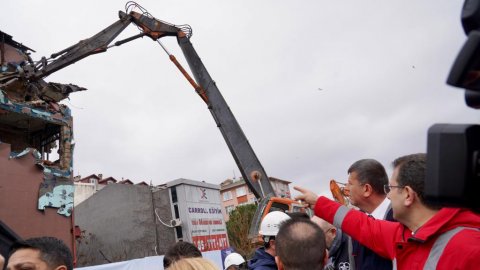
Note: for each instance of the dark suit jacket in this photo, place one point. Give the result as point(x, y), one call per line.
point(366, 259)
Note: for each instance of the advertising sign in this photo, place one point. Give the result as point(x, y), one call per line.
point(206, 227)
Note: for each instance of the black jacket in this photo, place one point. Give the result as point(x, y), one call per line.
point(262, 261)
point(366, 259)
point(339, 253)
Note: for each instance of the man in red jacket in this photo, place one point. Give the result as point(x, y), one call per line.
point(426, 236)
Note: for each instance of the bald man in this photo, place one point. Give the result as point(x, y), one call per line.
point(300, 244)
point(339, 246)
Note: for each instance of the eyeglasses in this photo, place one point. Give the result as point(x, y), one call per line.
point(387, 188)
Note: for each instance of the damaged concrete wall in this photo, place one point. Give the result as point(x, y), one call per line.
point(30, 112)
point(20, 183)
point(118, 223)
point(11, 54)
point(37, 125)
point(36, 189)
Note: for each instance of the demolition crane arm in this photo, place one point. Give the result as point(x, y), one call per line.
point(96, 44)
point(248, 163)
point(246, 159)
point(35, 71)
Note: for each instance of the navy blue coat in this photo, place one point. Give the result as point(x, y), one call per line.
point(262, 261)
point(365, 258)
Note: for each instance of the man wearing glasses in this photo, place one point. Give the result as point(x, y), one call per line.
point(366, 180)
point(426, 237)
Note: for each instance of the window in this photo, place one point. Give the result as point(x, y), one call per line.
point(173, 191)
point(240, 191)
point(93, 181)
point(177, 213)
point(109, 182)
point(278, 207)
point(227, 195)
point(281, 189)
point(178, 230)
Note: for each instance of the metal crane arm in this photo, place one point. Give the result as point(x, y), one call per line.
point(246, 159)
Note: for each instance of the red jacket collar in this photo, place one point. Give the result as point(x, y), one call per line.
point(446, 219)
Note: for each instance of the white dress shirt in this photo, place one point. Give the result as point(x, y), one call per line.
point(381, 210)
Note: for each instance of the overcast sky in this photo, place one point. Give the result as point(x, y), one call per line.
point(315, 85)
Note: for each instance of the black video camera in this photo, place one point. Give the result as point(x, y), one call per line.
point(453, 150)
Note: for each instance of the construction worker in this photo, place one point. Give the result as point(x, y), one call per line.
point(426, 236)
point(264, 257)
point(235, 261)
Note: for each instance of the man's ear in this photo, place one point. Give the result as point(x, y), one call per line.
point(271, 243)
point(367, 190)
point(334, 231)
point(279, 263)
point(410, 196)
point(61, 267)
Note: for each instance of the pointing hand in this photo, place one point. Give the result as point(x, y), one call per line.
point(307, 196)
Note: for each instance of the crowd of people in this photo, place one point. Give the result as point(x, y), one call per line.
point(423, 235)
point(390, 226)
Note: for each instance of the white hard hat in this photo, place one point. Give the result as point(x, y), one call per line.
point(233, 259)
point(271, 223)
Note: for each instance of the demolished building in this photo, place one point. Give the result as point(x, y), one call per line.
point(37, 187)
point(36, 149)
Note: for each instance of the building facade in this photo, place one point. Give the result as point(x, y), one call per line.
point(234, 192)
point(123, 221)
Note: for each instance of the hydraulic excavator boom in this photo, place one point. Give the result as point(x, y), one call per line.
point(249, 165)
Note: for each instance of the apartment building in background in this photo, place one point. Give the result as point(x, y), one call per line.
point(234, 192)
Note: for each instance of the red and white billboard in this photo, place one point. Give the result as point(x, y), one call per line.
point(206, 227)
